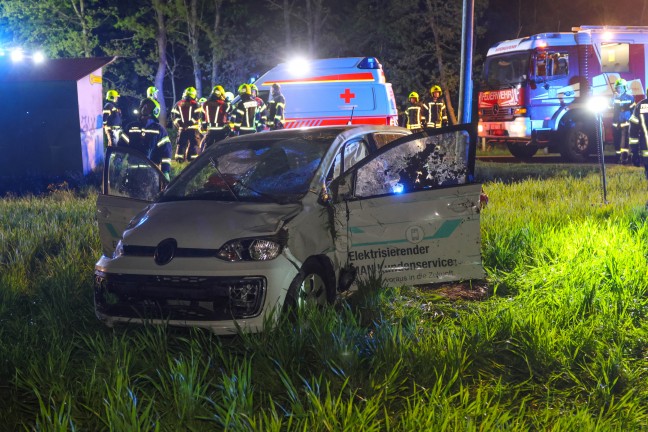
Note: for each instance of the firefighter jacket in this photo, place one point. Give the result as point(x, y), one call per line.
point(112, 117)
point(416, 115)
point(436, 113)
point(151, 138)
point(262, 114)
point(215, 113)
point(276, 112)
point(244, 114)
point(186, 114)
point(624, 104)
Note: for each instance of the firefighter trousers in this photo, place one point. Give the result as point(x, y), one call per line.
point(621, 143)
point(187, 145)
point(213, 136)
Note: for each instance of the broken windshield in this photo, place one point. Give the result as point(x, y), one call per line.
point(505, 71)
point(278, 170)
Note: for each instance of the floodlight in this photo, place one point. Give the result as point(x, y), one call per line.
point(17, 55)
point(38, 57)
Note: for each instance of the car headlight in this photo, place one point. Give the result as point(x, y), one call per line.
point(250, 250)
point(119, 249)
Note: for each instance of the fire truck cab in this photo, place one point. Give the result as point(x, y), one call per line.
point(539, 91)
point(329, 92)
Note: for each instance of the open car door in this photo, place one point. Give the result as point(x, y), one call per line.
point(410, 213)
point(130, 182)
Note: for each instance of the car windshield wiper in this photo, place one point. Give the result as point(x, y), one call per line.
point(212, 162)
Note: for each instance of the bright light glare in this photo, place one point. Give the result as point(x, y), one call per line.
point(597, 104)
point(298, 66)
point(607, 35)
point(398, 188)
point(17, 55)
point(38, 57)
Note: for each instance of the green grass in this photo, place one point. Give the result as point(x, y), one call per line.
point(561, 344)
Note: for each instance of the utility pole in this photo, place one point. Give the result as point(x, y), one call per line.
point(466, 84)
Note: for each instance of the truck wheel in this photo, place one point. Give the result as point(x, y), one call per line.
point(311, 286)
point(577, 143)
point(522, 151)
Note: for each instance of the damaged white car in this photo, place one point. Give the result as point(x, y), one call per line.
point(260, 223)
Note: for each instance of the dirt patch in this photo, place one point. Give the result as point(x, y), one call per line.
point(473, 290)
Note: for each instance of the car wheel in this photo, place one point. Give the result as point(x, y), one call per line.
point(522, 151)
point(312, 286)
point(577, 143)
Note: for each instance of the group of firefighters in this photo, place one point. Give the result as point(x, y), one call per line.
point(201, 123)
point(198, 123)
point(431, 114)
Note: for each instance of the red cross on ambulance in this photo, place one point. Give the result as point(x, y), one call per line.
point(347, 96)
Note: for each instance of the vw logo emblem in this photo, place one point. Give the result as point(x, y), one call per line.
point(165, 251)
point(495, 108)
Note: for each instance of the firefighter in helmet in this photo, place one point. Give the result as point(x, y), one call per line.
point(276, 108)
point(215, 118)
point(262, 109)
point(623, 105)
point(436, 109)
point(244, 113)
point(638, 135)
point(112, 117)
point(186, 116)
point(416, 113)
point(148, 136)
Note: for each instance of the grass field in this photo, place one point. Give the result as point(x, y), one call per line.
point(559, 345)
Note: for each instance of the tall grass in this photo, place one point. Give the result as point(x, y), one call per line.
point(560, 345)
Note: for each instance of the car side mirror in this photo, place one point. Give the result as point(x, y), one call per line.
point(325, 198)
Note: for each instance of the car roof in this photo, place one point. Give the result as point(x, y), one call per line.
point(347, 130)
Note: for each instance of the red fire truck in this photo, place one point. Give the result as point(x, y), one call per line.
point(539, 91)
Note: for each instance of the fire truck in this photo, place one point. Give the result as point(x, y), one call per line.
point(541, 91)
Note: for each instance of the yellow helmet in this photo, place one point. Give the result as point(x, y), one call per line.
point(152, 92)
point(413, 95)
point(245, 89)
point(191, 92)
point(435, 88)
point(112, 95)
point(620, 82)
point(219, 91)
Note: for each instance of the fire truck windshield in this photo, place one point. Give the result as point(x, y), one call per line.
point(505, 71)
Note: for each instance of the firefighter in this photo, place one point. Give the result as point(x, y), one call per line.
point(186, 119)
point(112, 118)
point(215, 118)
point(436, 109)
point(623, 105)
point(244, 113)
point(416, 113)
point(276, 109)
point(262, 109)
point(148, 136)
point(639, 134)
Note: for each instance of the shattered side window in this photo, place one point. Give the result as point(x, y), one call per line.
point(423, 163)
point(132, 176)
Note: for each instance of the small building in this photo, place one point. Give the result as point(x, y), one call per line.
point(51, 117)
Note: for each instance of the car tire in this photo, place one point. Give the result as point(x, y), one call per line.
point(313, 285)
point(521, 151)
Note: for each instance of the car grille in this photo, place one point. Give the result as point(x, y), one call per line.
point(179, 297)
point(501, 114)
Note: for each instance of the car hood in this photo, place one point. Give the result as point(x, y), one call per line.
point(207, 224)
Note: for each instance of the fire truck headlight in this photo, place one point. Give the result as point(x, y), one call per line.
point(520, 111)
point(480, 128)
point(597, 104)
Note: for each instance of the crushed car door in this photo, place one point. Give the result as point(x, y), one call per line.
point(130, 182)
point(410, 214)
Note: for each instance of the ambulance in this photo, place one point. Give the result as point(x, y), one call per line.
point(331, 92)
point(546, 90)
